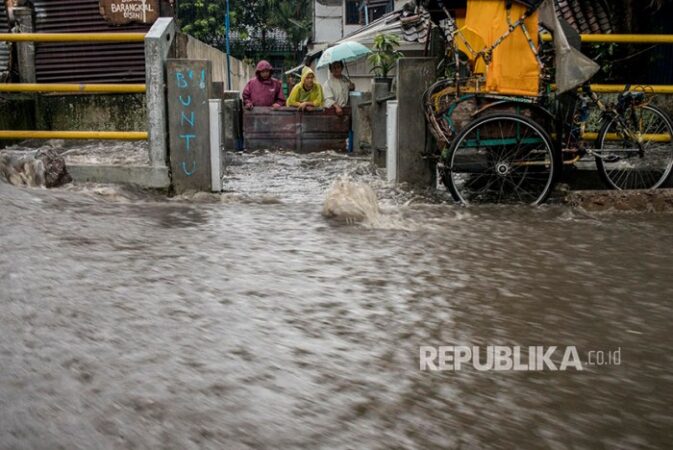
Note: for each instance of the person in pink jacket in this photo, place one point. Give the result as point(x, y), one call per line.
point(263, 90)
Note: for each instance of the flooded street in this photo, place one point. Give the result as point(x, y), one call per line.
point(249, 320)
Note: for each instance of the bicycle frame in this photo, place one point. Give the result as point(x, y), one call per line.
point(608, 113)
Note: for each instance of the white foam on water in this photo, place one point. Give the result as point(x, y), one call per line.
point(351, 202)
point(21, 169)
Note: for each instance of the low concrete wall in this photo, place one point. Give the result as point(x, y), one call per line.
point(116, 112)
point(16, 114)
point(187, 47)
point(362, 123)
point(144, 176)
point(290, 129)
point(659, 200)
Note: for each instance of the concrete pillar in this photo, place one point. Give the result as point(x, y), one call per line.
point(414, 76)
point(189, 91)
point(158, 43)
point(25, 50)
point(218, 86)
point(232, 121)
point(229, 119)
point(358, 119)
point(380, 94)
point(378, 122)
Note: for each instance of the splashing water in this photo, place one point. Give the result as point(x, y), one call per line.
point(248, 320)
point(22, 169)
point(351, 201)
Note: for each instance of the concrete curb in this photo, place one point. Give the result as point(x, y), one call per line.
point(660, 200)
point(143, 176)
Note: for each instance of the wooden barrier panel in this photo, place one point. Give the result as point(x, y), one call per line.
point(324, 130)
point(290, 129)
point(270, 129)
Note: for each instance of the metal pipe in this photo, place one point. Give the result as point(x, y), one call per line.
point(77, 88)
point(103, 135)
point(617, 88)
point(622, 38)
point(227, 26)
point(72, 37)
point(589, 136)
point(572, 161)
point(363, 5)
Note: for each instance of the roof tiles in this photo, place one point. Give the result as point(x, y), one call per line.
point(586, 16)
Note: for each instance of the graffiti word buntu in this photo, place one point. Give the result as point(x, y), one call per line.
point(187, 120)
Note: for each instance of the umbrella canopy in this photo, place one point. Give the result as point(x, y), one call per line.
point(346, 51)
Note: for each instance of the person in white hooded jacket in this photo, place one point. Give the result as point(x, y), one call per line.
point(336, 88)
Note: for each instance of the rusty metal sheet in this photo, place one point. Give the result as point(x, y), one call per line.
point(266, 128)
point(5, 47)
point(289, 129)
point(115, 62)
point(324, 130)
point(121, 12)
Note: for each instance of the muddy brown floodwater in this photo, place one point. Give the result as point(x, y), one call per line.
point(249, 320)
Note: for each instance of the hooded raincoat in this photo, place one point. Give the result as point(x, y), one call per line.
point(260, 92)
point(300, 95)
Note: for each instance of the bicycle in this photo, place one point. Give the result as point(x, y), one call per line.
point(495, 147)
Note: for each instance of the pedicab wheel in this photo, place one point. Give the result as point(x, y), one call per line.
point(501, 158)
point(641, 158)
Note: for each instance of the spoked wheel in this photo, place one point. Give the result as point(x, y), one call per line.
point(636, 151)
point(503, 158)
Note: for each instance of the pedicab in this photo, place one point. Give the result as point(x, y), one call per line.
point(508, 115)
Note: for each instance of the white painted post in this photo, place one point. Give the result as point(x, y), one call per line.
point(216, 144)
point(158, 43)
point(391, 141)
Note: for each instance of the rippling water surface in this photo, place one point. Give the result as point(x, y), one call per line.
point(249, 320)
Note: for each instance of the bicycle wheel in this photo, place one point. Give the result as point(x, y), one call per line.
point(501, 158)
point(637, 151)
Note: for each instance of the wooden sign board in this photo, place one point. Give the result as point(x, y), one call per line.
point(120, 12)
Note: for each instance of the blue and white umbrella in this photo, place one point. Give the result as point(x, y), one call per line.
point(346, 52)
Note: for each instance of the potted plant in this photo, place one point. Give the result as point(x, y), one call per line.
point(384, 56)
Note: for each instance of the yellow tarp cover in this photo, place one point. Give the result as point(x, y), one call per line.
point(514, 69)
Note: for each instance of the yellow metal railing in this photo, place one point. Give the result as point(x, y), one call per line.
point(621, 38)
point(590, 136)
point(103, 135)
point(74, 88)
point(617, 88)
point(72, 37)
point(78, 88)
